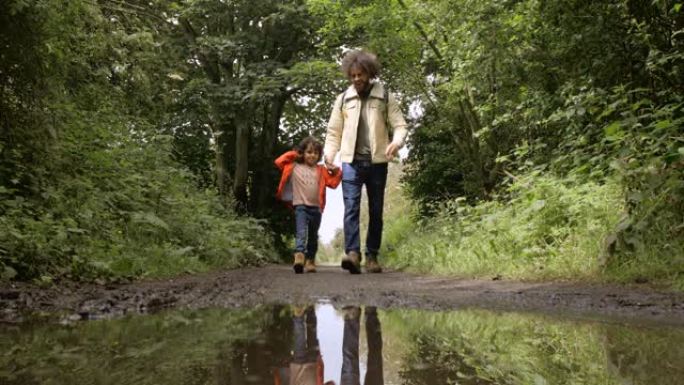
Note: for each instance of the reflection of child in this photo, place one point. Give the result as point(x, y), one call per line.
point(306, 366)
point(303, 184)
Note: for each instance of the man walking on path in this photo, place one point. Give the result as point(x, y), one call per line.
point(359, 129)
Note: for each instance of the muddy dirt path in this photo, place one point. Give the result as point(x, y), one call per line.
point(278, 284)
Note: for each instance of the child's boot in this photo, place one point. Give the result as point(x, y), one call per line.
point(309, 266)
point(298, 262)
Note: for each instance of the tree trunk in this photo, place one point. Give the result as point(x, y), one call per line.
point(240, 179)
point(223, 178)
point(266, 175)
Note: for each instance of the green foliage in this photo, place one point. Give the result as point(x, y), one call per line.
point(547, 228)
point(173, 348)
point(478, 347)
point(89, 185)
point(569, 89)
point(244, 72)
point(124, 210)
point(636, 136)
point(107, 106)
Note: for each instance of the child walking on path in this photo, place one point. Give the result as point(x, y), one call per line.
point(302, 184)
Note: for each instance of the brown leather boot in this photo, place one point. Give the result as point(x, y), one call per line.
point(309, 266)
point(352, 262)
point(352, 312)
point(372, 266)
point(298, 264)
point(298, 311)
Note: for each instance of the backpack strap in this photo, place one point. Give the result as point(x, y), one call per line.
point(385, 97)
point(344, 97)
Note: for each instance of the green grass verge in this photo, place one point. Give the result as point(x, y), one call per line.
point(547, 229)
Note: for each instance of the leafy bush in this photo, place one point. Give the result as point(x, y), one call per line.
point(124, 211)
point(88, 184)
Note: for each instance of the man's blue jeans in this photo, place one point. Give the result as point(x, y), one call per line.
point(350, 349)
point(307, 221)
point(354, 176)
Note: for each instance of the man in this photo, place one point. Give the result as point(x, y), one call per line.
point(359, 129)
point(350, 347)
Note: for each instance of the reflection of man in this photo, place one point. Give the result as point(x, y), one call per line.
point(306, 365)
point(359, 128)
point(350, 347)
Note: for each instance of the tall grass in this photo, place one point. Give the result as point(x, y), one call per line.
point(547, 228)
point(542, 228)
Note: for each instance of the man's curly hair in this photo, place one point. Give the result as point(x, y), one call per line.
point(367, 61)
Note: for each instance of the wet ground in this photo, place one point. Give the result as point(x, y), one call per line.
point(269, 326)
point(277, 284)
point(309, 344)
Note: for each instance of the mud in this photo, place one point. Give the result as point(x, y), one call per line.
point(278, 284)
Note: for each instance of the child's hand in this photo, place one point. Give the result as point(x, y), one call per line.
point(300, 155)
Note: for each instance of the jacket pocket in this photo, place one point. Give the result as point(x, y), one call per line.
point(377, 104)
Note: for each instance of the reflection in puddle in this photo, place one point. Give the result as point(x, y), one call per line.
point(355, 345)
point(306, 366)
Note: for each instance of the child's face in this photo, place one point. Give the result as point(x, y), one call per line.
point(311, 156)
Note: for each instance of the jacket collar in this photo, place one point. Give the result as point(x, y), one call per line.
point(378, 91)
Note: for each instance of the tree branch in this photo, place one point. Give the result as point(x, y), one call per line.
point(209, 67)
point(424, 34)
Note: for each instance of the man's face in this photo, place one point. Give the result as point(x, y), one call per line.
point(359, 79)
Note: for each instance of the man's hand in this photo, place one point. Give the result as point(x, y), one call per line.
point(332, 169)
point(392, 151)
point(329, 161)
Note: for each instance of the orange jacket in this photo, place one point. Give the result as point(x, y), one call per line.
point(286, 164)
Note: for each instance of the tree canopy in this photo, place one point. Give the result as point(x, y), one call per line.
point(135, 128)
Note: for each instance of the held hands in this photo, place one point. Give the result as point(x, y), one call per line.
point(332, 169)
point(391, 152)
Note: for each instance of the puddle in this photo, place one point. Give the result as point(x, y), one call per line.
point(355, 345)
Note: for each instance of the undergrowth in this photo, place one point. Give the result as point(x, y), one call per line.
point(546, 228)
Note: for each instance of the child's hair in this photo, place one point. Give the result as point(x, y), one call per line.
point(310, 141)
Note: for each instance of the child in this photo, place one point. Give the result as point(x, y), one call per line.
point(302, 184)
point(305, 366)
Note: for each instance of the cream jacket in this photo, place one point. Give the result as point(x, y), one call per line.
point(344, 122)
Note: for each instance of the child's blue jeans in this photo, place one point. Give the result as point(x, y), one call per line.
point(305, 348)
point(354, 176)
point(307, 221)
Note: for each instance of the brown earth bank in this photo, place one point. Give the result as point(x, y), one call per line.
point(20, 302)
